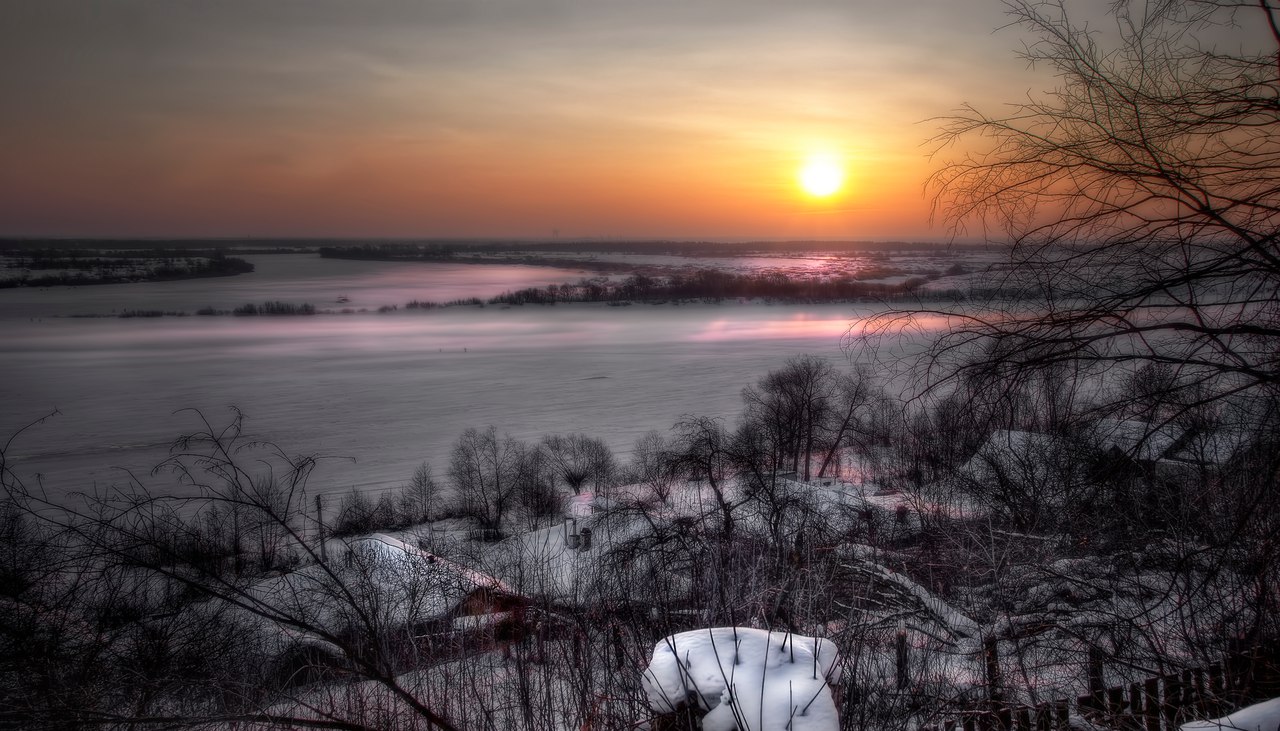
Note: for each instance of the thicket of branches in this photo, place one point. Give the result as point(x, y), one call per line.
point(146, 607)
point(1142, 197)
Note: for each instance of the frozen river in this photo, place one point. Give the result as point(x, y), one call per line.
point(388, 390)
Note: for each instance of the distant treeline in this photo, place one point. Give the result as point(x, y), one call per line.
point(354, 246)
point(157, 247)
point(275, 307)
point(438, 250)
point(714, 285)
point(80, 267)
point(468, 254)
point(72, 258)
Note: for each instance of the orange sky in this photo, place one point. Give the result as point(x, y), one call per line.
point(483, 118)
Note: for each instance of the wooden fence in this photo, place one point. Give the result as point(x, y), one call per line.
point(1162, 703)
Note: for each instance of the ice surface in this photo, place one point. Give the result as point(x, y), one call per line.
point(388, 391)
point(748, 679)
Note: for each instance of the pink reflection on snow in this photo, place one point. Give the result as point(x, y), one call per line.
point(808, 325)
point(801, 325)
point(899, 324)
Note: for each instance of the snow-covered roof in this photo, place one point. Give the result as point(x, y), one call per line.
point(543, 564)
point(748, 679)
point(382, 580)
point(392, 555)
point(587, 504)
point(1212, 447)
point(1028, 455)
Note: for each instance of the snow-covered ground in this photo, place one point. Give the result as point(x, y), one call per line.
point(1263, 716)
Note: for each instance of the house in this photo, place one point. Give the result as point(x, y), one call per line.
point(1019, 456)
point(445, 590)
point(381, 587)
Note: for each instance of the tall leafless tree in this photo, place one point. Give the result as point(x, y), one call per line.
point(484, 469)
point(1141, 196)
point(145, 618)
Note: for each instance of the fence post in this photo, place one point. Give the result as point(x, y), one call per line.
point(1115, 702)
point(324, 556)
point(1096, 684)
point(1062, 714)
point(902, 655)
point(991, 659)
point(1135, 719)
point(1269, 670)
point(1201, 690)
point(1238, 672)
point(1216, 687)
point(1151, 704)
point(1044, 717)
point(1172, 700)
point(1189, 689)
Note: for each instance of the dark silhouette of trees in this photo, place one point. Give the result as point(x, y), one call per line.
point(112, 266)
point(165, 606)
point(1142, 199)
point(535, 486)
point(578, 458)
point(806, 412)
point(702, 451)
point(484, 469)
point(423, 496)
point(652, 466)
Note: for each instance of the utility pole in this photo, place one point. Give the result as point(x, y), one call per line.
point(324, 557)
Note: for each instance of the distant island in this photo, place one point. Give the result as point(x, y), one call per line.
point(53, 267)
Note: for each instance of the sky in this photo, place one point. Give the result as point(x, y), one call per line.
point(486, 118)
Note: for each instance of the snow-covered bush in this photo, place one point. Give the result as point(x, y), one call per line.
point(745, 679)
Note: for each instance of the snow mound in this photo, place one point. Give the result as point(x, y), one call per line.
point(747, 679)
point(1263, 716)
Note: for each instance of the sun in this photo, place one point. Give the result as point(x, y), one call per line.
point(821, 176)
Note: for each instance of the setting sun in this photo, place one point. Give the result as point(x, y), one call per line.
point(821, 176)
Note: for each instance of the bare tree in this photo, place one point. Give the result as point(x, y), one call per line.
point(792, 403)
point(142, 625)
point(578, 458)
point(1142, 197)
point(535, 485)
point(804, 414)
point(423, 496)
point(651, 464)
point(849, 418)
point(702, 451)
point(484, 469)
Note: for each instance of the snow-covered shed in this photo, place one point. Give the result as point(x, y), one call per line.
point(380, 583)
point(1211, 447)
point(376, 585)
point(1016, 455)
